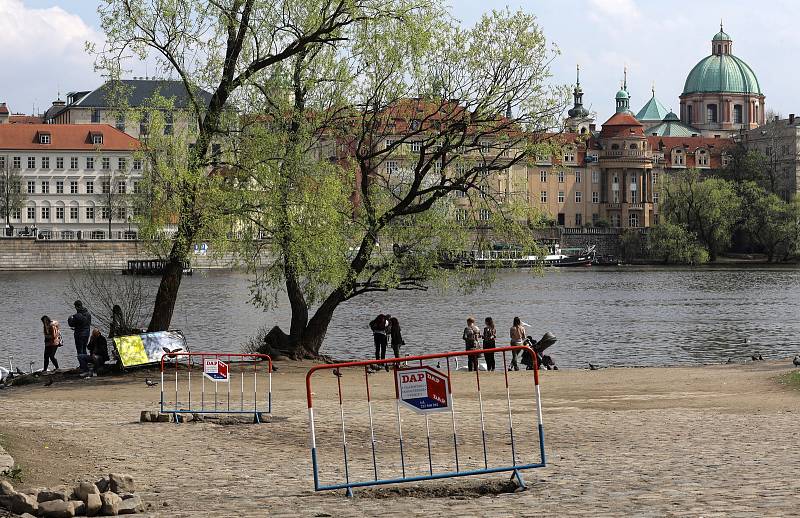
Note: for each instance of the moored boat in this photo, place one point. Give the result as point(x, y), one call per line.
point(511, 258)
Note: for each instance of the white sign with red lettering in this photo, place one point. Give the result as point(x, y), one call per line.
point(423, 389)
point(215, 369)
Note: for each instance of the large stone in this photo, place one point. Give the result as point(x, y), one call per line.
point(6, 489)
point(111, 502)
point(132, 505)
point(84, 489)
point(121, 483)
point(93, 504)
point(47, 495)
point(145, 417)
point(80, 507)
point(164, 418)
point(22, 503)
point(56, 509)
point(102, 484)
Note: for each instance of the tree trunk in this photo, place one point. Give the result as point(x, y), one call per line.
point(167, 294)
point(307, 341)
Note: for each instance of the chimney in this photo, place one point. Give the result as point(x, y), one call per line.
point(4, 114)
point(791, 119)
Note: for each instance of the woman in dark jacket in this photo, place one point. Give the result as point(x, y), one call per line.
point(51, 338)
point(379, 328)
point(81, 323)
point(98, 348)
point(395, 336)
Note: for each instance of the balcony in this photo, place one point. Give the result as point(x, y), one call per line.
point(625, 153)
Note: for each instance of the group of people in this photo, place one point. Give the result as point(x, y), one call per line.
point(91, 346)
point(385, 331)
point(472, 334)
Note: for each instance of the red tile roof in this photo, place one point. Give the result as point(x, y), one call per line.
point(3, 108)
point(691, 144)
point(24, 119)
point(622, 119)
point(75, 137)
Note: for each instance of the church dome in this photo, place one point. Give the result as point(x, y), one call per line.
point(722, 72)
point(622, 94)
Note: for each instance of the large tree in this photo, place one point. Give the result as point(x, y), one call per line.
point(12, 197)
point(224, 47)
point(706, 207)
point(375, 158)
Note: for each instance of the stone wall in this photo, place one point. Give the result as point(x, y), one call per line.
point(606, 240)
point(31, 254)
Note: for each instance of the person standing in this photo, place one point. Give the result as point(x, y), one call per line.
point(52, 341)
point(489, 342)
point(395, 336)
point(517, 333)
point(471, 336)
point(379, 328)
point(81, 324)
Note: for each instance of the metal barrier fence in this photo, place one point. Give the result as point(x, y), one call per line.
point(242, 370)
point(429, 391)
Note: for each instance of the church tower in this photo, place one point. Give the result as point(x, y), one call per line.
point(579, 120)
point(623, 97)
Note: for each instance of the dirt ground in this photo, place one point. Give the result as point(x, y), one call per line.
point(702, 441)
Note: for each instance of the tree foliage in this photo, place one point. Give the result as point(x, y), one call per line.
point(673, 244)
point(12, 197)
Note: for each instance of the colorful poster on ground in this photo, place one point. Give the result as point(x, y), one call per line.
point(148, 347)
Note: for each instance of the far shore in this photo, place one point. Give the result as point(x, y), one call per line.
point(671, 441)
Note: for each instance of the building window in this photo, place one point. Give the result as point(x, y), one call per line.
point(569, 154)
point(16, 162)
point(578, 196)
point(137, 187)
point(45, 213)
point(106, 163)
point(615, 179)
point(59, 187)
point(485, 146)
point(702, 158)
point(561, 177)
point(59, 213)
point(578, 219)
point(484, 214)
point(578, 177)
point(73, 162)
point(73, 213)
point(711, 113)
point(168, 122)
point(655, 198)
point(543, 176)
point(543, 196)
point(737, 113)
point(89, 187)
point(120, 124)
point(595, 218)
point(634, 198)
point(106, 187)
point(59, 162)
point(95, 115)
point(416, 146)
point(689, 119)
point(595, 176)
point(595, 197)
point(31, 187)
point(45, 187)
point(122, 164)
point(560, 196)
point(122, 213)
point(31, 162)
point(144, 123)
point(389, 143)
point(105, 213)
point(90, 162)
point(122, 187)
point(137, 165)
point(90, 213)
point(44, 138)
point(633, 219)
point(615, 197)
point(655, 177)
point(678, 158)
point(97, 139)
point(391, 167)
point(31, 213)
point(461, 214)
point(73, 187)
point(45, 162)
point(16, 214)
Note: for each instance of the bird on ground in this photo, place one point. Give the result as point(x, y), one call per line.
point(48, 382)
point(150, 383)
point(796, 361)
point(593, 367)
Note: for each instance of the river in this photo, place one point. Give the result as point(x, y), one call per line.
point(625, 316)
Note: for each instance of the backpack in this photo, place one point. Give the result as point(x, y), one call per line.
point(55, 329)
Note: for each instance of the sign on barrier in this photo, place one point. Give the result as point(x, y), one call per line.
point(237, 384)
point(426, 441)
point(423, 389)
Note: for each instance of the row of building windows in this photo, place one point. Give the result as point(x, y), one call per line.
point(120, 187)
point(45, 163)
point(120, 213)
point(596, 197)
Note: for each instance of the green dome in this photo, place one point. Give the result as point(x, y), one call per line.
point(722, 73)
point(671, 116)
point(722, 36)
point(622, 94)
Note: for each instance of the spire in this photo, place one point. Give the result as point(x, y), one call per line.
point(577, 96)
point(720, 25)
point(625, 75)
point(578, 75)
point(623, 98)
point(653, 88)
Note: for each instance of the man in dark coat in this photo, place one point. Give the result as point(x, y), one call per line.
point(81, 323)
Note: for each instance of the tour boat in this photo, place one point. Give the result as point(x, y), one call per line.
point(512, 258)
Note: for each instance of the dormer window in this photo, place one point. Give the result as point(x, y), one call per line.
point(97, 138)
point(44, 138)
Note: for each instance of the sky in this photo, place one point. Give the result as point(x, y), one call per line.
point(42, 46)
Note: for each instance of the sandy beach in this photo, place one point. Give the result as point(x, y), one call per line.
point(701, 441)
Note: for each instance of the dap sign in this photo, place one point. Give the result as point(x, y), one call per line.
point(423, 389)
point(215, 369)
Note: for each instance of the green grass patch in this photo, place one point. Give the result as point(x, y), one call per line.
point(790, 380)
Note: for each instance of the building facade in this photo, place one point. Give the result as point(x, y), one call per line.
point(779, 142)
point(77, 181)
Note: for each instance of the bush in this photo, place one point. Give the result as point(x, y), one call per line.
point(673, 244)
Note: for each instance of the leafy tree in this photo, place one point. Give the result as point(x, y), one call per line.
point(769, 221)
point(375, 158)
point(673, 244)
point(707, 207)
point(12, 197)
point(225, 47)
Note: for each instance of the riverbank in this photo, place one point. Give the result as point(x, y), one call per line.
point(712, 440)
